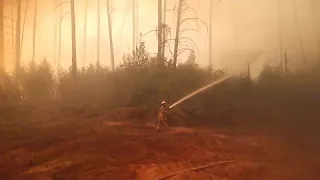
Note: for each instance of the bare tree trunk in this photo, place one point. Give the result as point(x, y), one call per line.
point(299, 33)
point(23, 24)
point(235, 37)
point(110, 36)
point(164, 30)
point(280, 32)
point(56, 22)
point(59, 39)
point(176, 41)
point(74, 45)
point(18, 26)
point(133, 25)
point(1, 38)
point(285, 64)
point(123, 20)
point(85, 34)
point(159, 30)
point(210, 35)
point(313, 6)
point(35, 30)
point(12, 35)
point(249, 72)
point(137, 23)
point(98, 35)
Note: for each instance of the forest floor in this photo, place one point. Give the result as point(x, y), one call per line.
point(53, 148)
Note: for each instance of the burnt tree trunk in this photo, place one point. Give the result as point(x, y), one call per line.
point(56, 22)
point(12, 34)
point(313, 6)
point(137, 23)
point(159, 31)
point(35, 30)
point(59, 39)
point(23, 24)
point(74, 45)
point(98, 34)
point(110, 36)
point(285, 64)
point(85, 34)
point(1, 38)
point(18, 32)
point(296, 18)
point(280, 32)
point(164, 30)
point(133, 25)
point(176, 40)
point(210, 35)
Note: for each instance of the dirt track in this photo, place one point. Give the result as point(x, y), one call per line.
point(100, 149)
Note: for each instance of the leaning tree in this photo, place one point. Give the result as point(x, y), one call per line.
point(110, 35)
point(73, 34)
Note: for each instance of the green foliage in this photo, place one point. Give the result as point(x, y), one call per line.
point(139, 82)
point(140, 59)
point(9, 91)
point(37, 82)
point(89, 86)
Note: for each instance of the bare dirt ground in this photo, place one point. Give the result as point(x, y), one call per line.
point(97, 148)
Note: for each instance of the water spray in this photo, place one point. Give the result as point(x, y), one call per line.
point(200, 90)
point(258, 67)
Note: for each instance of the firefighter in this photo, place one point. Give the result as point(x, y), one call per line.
point(162, 116)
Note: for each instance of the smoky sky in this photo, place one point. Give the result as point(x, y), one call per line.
point(237, 26)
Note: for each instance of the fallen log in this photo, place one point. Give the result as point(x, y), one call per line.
point(210, 165)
